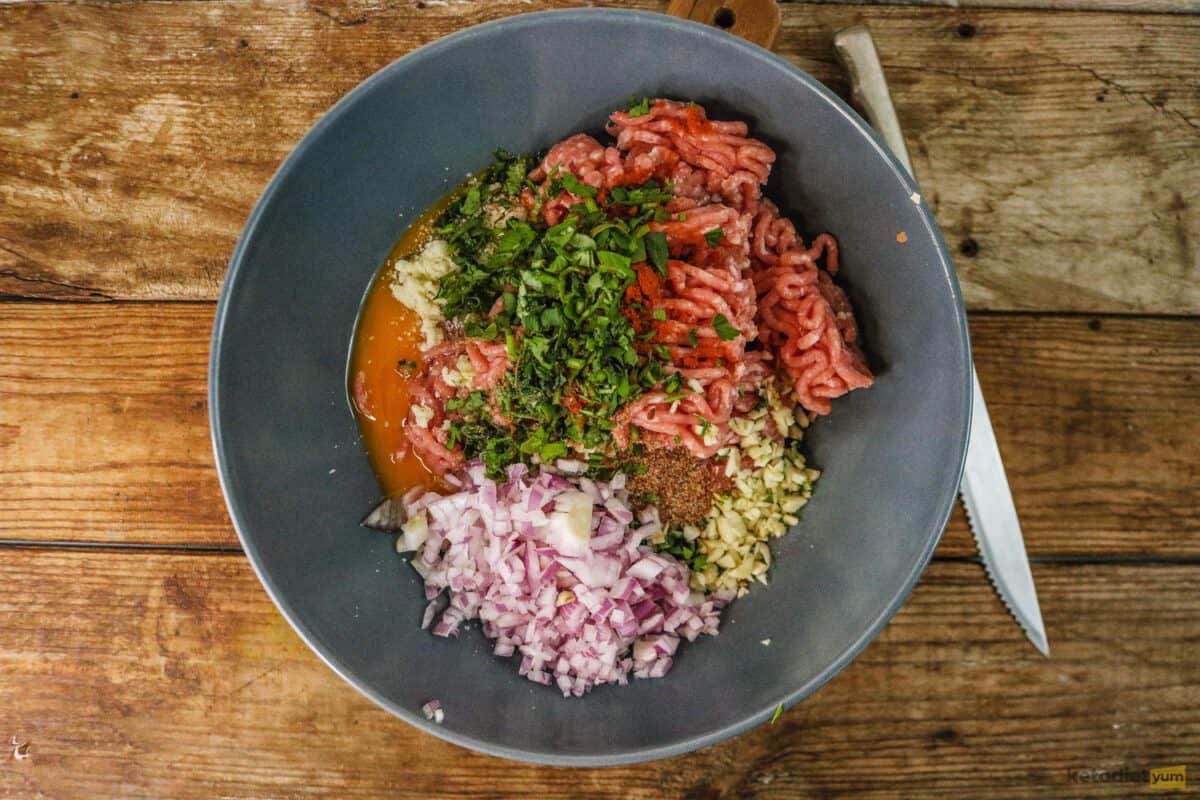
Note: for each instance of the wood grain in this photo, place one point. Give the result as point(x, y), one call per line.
point(1155, 6)
point(174, 676)
point(755, 20)
point(104, 427)
point(1160, 6)
point(1059, 150)
point(103, 431)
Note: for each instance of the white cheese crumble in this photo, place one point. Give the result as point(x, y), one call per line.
point(415, 284)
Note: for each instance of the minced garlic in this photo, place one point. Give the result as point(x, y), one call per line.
point(422, 415)
point(463, 374)
point(771, 483)
point(415, 284)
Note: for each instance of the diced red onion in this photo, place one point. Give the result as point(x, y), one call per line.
point(433, 710)
point(577, 620)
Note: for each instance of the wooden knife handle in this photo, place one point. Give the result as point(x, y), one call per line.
point(755, 20)
point(855, 48)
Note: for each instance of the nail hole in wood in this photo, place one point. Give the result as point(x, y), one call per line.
point(969, 247)
point(724, 18)
point(966, 30)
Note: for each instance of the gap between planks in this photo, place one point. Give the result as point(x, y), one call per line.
point(149, 548)
point(1015, 313)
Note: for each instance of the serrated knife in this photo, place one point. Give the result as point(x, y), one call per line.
point(985, 492)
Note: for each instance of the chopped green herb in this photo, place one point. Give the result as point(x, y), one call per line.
point(613, 261)
point(648, 192)
point(575, 186)
point(714, 236)
point(659, 314)
point(692, 337)
point(656, 251)
point(778, 713)
point(406, 368)
point(690, 553)
point(554, 296)
point(724, 329)
point(471, 203)
point(639, 108)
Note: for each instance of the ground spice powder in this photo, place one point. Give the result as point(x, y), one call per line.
point(680, 485)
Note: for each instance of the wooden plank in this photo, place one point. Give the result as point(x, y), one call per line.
point(1159, 6)
point(103, 431)
point(1145, 6)
point(104, 425)
point(173, 676)
point(1058, 149)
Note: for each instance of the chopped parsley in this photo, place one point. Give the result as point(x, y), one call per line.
point(656, 251)
point(639, 108)
point(689, 553)
point(724, 329)
point(714, 236)
point(469, 227)
point(566, 181)
point(555, 297)
point(648, 192)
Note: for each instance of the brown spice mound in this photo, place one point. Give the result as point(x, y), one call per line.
point(679, 484)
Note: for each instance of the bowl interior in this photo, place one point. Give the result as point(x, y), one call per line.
point(297, 481)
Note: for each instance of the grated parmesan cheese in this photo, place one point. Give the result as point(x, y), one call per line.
point(415, 284)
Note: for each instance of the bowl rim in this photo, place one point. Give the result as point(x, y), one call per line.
point(752, 719)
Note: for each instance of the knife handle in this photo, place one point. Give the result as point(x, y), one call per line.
point(856, 51)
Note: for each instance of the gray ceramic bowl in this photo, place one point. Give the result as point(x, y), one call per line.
point(297, 481)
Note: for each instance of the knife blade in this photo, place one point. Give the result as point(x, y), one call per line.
point(986, 495)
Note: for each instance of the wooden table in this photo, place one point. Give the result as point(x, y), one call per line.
point(139, 657)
